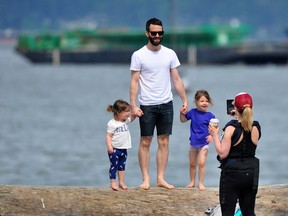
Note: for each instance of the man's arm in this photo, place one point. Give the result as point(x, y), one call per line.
point(179, 87)
point(134, 85)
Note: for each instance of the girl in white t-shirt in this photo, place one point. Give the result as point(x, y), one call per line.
point(118, 140)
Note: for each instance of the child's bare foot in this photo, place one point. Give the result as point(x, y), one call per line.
point(123, 186)
point(190, 185)
point(163, 183)
point(201, 187)
point(114, 186)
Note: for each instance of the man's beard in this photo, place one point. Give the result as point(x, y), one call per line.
point(155, 43)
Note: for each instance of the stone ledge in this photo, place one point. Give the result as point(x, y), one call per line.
point(46, 200)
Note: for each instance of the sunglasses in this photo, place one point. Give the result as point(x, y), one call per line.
point(154, 33)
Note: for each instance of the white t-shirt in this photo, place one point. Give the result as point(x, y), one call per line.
point(121, 136)
point(155, 77)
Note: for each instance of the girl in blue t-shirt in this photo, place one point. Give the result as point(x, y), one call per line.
point(199, 136)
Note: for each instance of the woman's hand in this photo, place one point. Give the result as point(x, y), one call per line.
point(212, 130)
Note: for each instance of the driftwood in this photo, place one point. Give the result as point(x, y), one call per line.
point(50, 201)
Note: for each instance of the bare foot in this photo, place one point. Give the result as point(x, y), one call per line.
point(190, 185)
point(201, 187)
point(123, 186)
point(145, 185)
point(114, 187)
point(163, 183)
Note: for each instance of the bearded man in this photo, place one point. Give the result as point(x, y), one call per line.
point(152, 68)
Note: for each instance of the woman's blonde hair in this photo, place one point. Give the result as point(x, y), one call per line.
point(247, 118)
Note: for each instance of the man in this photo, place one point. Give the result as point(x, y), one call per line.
point(152, 68)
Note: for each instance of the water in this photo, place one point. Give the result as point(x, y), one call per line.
point(53, 121)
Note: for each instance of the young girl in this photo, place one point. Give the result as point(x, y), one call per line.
point(199, 136)
point(118, 140)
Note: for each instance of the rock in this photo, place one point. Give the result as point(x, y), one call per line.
point(39, 200)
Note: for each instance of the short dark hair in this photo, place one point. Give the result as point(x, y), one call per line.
point(153, 21)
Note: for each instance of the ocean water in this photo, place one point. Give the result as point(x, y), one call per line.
point(53, 121)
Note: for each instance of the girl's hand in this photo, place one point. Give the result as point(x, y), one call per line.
point(209, 139)
point(183, 110)
point(212, 130)
point(110, 150)
point(137, 111)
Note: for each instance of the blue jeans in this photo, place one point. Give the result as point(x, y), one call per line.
point(159, 116)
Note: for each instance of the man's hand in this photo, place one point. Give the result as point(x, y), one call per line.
point(137, 111)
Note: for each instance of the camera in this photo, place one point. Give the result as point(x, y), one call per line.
point(230, 107)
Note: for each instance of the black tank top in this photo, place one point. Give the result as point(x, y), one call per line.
point(246, 148)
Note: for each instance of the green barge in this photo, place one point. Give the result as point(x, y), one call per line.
point(206, 44)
